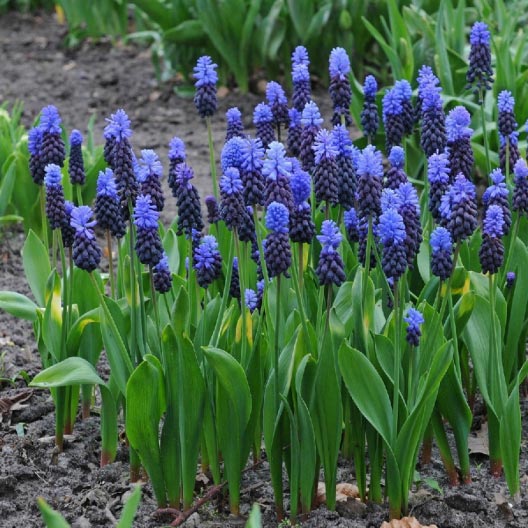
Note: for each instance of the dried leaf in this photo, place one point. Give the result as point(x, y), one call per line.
point(406, 522)
point(478, 442)
point(8, 404)
point(344, 491)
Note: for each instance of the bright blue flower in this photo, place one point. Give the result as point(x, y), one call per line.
point(177, 149)
point(300, 73)
point(145, 214)
point(276, 162)
point(206, 254)
point(441, 240)
point(370, 87)
point(118, 126)
point(438, 168)
point(106, 185)
point(311, 115)
point(342, 141)
point(230, 182)
point(35, 141)
point(300, 56)
point(330, 236)
point(408, 196)
point(205, 72)
point(426, 77)
point(232, 153)
point(431, 98)
point(505, 102)
point(494, 221)
point(81, 221)
point(323, 146)
point(275, 93)
point(295, 117)
point(233, 115)
point(149, 164)
point(498, 189)
point(457, 124)
point(510, 279)
point(403, 90)
point(162, 265)
point(351, 219)
point(520, 170)
point(479, 34)
point(184, 174)
point(397, 157)
point(513, 137)
point(391, 104)
point(339, 65)
point(414, 320)
point(252, 155)
point(277, 217)
point(76, 138)
point(301, 185)
point(251, 299)
point(53, 175)
point(390, 200)
point(370, 162)
point(391, 229)
point(262, 114)
point(460, 190)
point(50, 120)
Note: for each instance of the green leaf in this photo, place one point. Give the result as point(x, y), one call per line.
point(510, 441)
point(36, 266)
point(130, 509)
point(7, 182)
point(187, 32)
point(52, 518)
point(301, 13)
point(255, 519)
point(52, 323)
point(71, 371)
point(18, 305)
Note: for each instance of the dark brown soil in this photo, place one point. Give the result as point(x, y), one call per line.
point(99, 78)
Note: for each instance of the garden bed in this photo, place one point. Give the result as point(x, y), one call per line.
point(99, 78)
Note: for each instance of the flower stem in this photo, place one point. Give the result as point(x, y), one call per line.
point(44, 217)
point(79, 195)
point(276, 347)
point(110, 263)
point(397, 359)
point(212, 156)
point(484, 133)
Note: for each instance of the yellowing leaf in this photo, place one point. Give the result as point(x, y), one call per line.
point(249, 328)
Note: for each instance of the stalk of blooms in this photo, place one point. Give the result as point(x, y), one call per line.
point(300, 56)
point(369, 114)
point(393, 119)
point(480, 74)
point(188, 202)
point(425, 78)
point(513, 150)
point(177, 155)
point(207, 261)
point(390, 200)
point(302, 91)
point(396, 175)
point(107, 209)
point(251, 171)
point(326, 172)
point(149, 177)
point(441, 253)
point(438, 176)
point(391, 231)
point(205, 99)
point(362, 228)
point(213, 211)
point(370, 172)
point(302, 227)
point(55, 204)
point(148, 242)
point(414, 320)
point(234, 286)
point(491, 254)
point(67, 231)
point(36, 167)
point(351, 225)
point(346, 159)
point(339, 88)
point(234, 123)
point(246, 228)
point(277, 171)
point(409, 210)
point(162, 276)
point(510, 279)
point(498, 194)
point(294, 132)
point(404, 92)
point(232, 206)
point(330, 268)
point(86, 252)
point(277, 251)
point(505, 105)
point(76, 162)
point(520, 189)
point(311, 121)
point(52, 149)
point(278, 103)
point(459, 134)
point(251, 299)
point(109, 146)
point(263, 121)
point(232, 153)
point(433, 136)
point(458, 209)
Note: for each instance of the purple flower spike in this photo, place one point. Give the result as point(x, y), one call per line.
point(277, 217)
point(441, 253)
point(370, 87)
point(457, 124)
point(50, 120)
point(414, 320)
point(278, 102)
point(391, 231)
point(277, 251)
point(520, 190)
point(205, 72)
point(118, 126)
point(234, 123)
point(330, 268)
point(276, 162)
point(480, 74)
point(339, 88)
point(263, 120)
point(207, 261)
point(300, 56)
point(205, 99)
point(233, 153)
point(339, 65)
point(324, 146)
point(301, 185)
point(86, 252)
point(76, 163)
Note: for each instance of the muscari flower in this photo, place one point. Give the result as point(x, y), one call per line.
point(480, 74)
point(55, 206)
point(426, 79)
point(232, 205)
point(459, 134)
point(511, 144)
point(232, 153)
point(149, 177)
point(67, 231)
point(326, 171)
point(252, 162)
point(370, 173)
point(76, 162)
point(491, 253)
point(441, 253)
point(234, 123)
point(187, 201)
point(149, 248)
point(498, 194)
point(177, 155)
point(339, 88)
point(107, 209)
point(404, 91)
point(311, 121)
point(346, 174)
point(505, 105)
point(414, 320)
point(205, 99)
point(207, 261)
point(510, 279)
point(391, 232)
point(300, 56)
point(433, 135)
point(52, 149)
point(351, 225)
point(36, 167)
point(277, 251)
point(86, 252)
point(251, 299)
point(213, 211)
point(302, 227)
point(162, 276)
point(396, 175)
point(234, 286)
point(294, 132)
point(263, 120)
point(277, 171)
point(369, 114)
point(330, 268)
point(302, 91)
point(409, 209)
point(520, 189)
point(438, 176)
point(278, 102)
point(393, 119)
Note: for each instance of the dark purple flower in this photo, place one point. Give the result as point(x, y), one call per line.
point(67, 231)
point(302, 92)
point(391, 232)
point(76, 162)
point(232, 153)
point(294, 132)
point(396, 175)
point(234, 286)
point(505, 105)
point(426, 77)
point(278, 102)
point(433, 136)
point(52, 149)
point(300, 56)
point(369, 114)
point(55, 206)
point(206, 77)
point(491, 254)
point(86, 252)
point(177, 155)
point(339, 88)
point(234, 123)
point(404, 91)
point(414, 320)
point(302, 228)
point(263, 120)
point(36, 167)
point(438, 176)
point(393, 119)
point(510, 279)
point(277, 171)
point(149, 177)
point(459, 134)
point(498, 194)
point(277, 251)
point(107, 209)
point(346, 160)
point(351, 225)
point(187, 201)
point(370, 173)
point(213, 211)
point(520, 189)
point(409, 209)
point(232, 206)
point(330, 268)
point(149, 248)
point(513, 150)
point(441, 253)
point(207, 261)
point(311, 121)
point(326, 171)
point(251, 171)
point(480, 74)
point(162, 276)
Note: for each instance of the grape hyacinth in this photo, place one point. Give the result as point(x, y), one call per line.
point(106, 208)
point(36, 166)
point(251, 171)
point(86, 252)
point(459, 134)
point(510, 279)
point(370, 174)
point(67, 231)
point(177, 155)
point(52, 149)
point(480, 74)
point(346, 160)
point(330, 268)
point(263, 121)
point(520, 189)
point(433, 135)
point(149, 248)
point(393, 119)
point(513, 150)
point(404, 91)
point(234, 286)
point(205, 99)
point(55, 205)
point(294, 132)
point(234, 123)
point(409, 210)
point(498, 194)
point(441, 253)
point(188, 202)
point(438, 176)
point(505, 105)
point(277, 171)
point(491, 254)
point(369, 114)
point(339, 88)
point(251, 299)
point(76, 162)
point(302, 92)
point(278, 103)
point(246, 228)
point(213, 211)
point(300, 56)
point(414, 320)
point(391, 231)
point(277, 251)
point(207, 261)
point(162, 276)
point(149, 177)
point(396, 174)
point(351, 225)
point(302, 227)
point(232, 204)
point(426, 78)
point(232, 153)
point(326, 172)
point(311, 121)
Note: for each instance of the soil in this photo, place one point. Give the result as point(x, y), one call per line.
point(99, 78)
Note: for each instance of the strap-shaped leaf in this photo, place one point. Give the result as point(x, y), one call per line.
point(36, 266)
point(18, 305)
